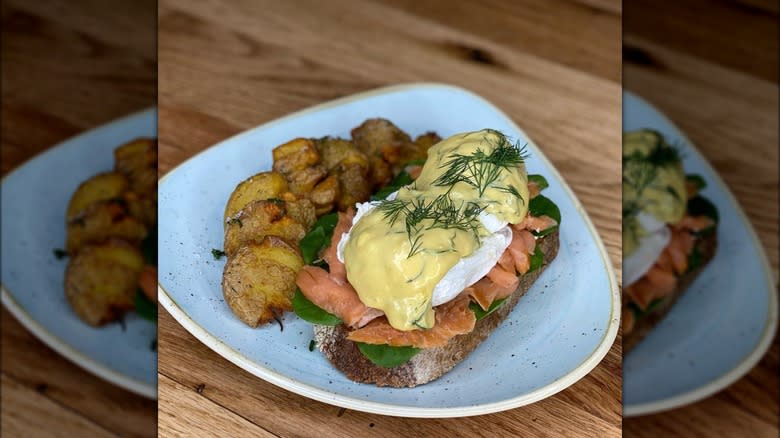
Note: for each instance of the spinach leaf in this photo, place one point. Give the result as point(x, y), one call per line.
point(149, 247)
point(480, 313)
point(399, 181)
point(543, 206)
point(318, 238)
point(145, 307)
point(695, 259)
point(697, 181)
point(539, 180)
point(385, 355)
point(537, 259)
point(639, 313)
point(700, 206)
point(309, 311)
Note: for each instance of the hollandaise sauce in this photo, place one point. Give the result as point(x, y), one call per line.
point(653, 184)
point(399, 251)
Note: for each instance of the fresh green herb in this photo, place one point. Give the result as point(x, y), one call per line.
point(701, 206)
point(539, 180)
point(312, 344)
point(481, 313)
point(276, 201)
point(697, 181)
point(318, 237)
point(440, 212)
point(145, 307)
point(217, 253)
point(309, 311)
point(59, 253)
point(479, 169)
point(537, 259)
point(402, 179)
point(149, 247)
point(543, 206)
point(695, 259)
point(385, 355)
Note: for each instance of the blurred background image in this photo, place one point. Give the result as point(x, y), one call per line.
point(69, 67)
point(712, 69)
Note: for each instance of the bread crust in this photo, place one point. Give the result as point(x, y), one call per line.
point(431, 363)
point(707, 246)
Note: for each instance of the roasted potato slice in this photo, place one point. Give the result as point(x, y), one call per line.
point(325, 194)
point(287, 220)
point(101, 187)
point(259, 280)
point(425, 141)
point(265, 185)
point(354, 185)
point(143, 208)
point(138, 161)
point(102, 279)
point(302, 182)
point(103, 220)
point(295, 155)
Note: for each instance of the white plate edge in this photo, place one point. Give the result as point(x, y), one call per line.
point(55, 343)
point(380, 408)
point(770, 325)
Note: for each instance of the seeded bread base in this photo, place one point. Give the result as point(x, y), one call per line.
point(431, 363)
point(706, 246)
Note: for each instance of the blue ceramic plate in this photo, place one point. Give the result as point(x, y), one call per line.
point(724, 323)
point(560, 330)
point(34, 200)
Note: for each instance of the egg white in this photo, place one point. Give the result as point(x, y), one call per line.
point(469, 269)
point(651, 245)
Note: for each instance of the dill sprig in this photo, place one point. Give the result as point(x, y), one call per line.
point(480, 169)
point(440, 212)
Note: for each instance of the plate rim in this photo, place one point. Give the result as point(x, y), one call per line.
point(51, 340)
point(770, 325)
point(315, 393)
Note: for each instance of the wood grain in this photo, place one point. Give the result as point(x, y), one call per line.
point(226, 68)
point(721, 89)
point(68, 67)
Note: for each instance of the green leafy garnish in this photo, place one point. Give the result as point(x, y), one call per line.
point(695, 259)
point(639, 313)
point(217, 253)
point(539, 180)
point(309, 311)
point(700, 206)
point(480, 313)
point(479, 169)
point(385, 355)
point(145, 307)
point(402, 179)
point(59, 253)
point(697, 181)
point(543, 206)
point(149, 247)
point(537, 259)
point(318, 237)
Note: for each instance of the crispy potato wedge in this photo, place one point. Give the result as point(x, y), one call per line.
point(295, 155)
point(101, 187)
point(102, 279)
point(258, 282)
point(138, 161)
point(325, 194)
point(143, 208)
point(101, 221)
point(264, 185)
point(289, 220)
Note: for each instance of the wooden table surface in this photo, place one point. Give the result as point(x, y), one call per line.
point(66, 69)
point(721, 89)
point(553, 67)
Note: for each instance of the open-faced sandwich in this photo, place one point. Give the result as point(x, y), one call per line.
point(402, 288)
point(668, 231)
point(112, 238)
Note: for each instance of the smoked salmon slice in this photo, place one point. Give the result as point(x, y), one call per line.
point(536, 223)
point(337, 270)
point(322, 289)
point(452, 319)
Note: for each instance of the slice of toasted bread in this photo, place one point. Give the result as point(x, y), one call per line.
point(429, 364)
point(706, 245)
